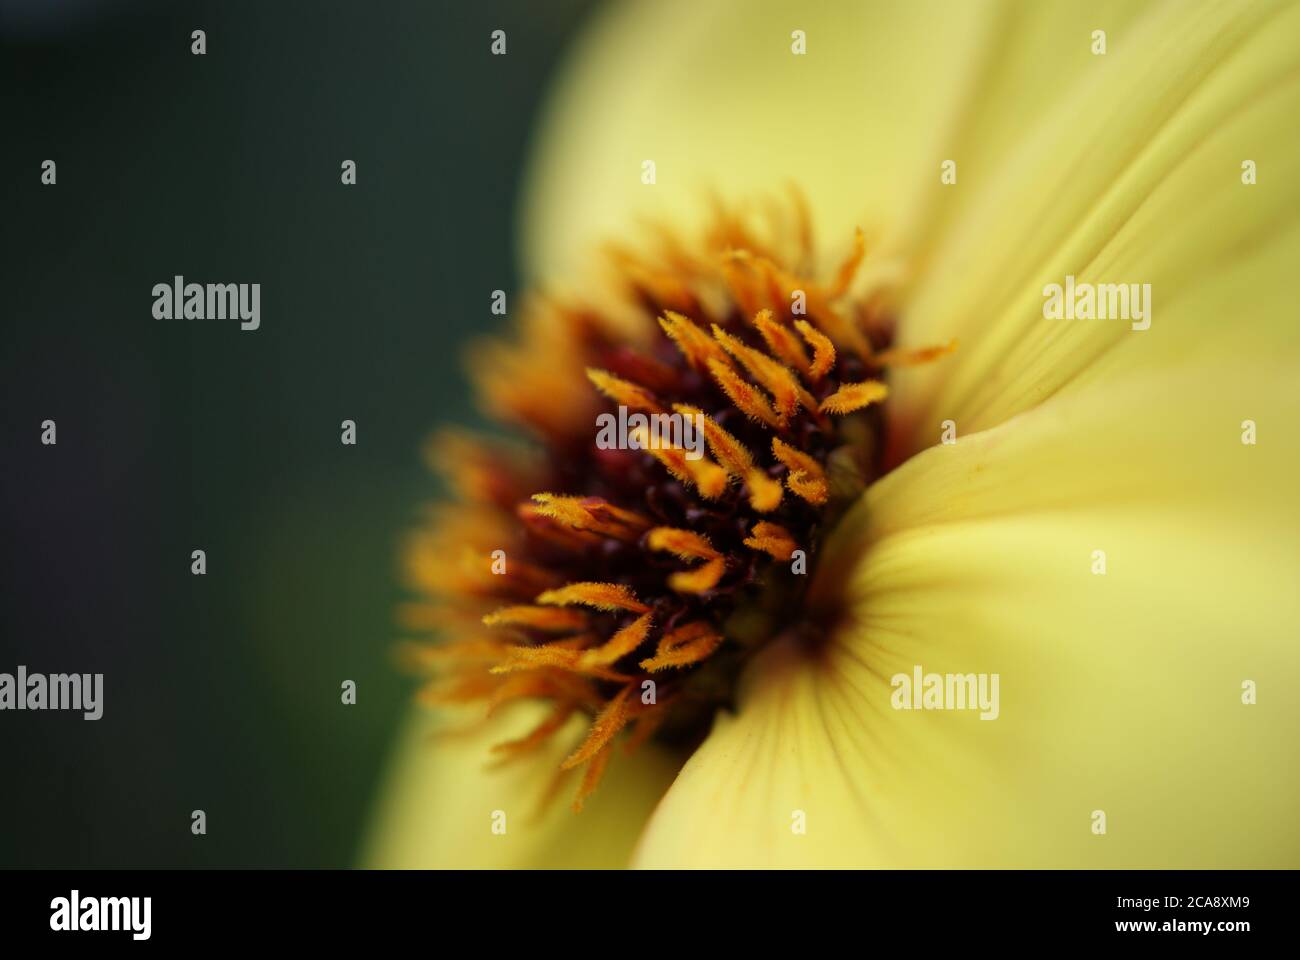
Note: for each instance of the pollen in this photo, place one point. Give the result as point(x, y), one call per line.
point(629, 586)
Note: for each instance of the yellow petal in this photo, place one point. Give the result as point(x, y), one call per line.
point(438, 805)
point(721, 102)
point(1118, 692)
point(1135, 177)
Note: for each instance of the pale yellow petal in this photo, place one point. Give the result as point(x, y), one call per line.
point(713, 95)
point(1134, 177)
point(443, 797)
point(1030, 56)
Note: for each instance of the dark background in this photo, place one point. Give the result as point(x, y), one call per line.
point(222, 692)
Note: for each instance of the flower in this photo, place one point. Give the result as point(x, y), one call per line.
point(1112, 533)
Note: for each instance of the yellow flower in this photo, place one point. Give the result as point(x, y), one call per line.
point(1112, 534)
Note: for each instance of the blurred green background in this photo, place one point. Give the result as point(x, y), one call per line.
point(223, 692)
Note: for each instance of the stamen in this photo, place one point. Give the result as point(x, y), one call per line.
point(855, 396)
point(733, 455)
point(707, 477)
point(764, 492)
point(700, 580)
point(462, 689)
point(480, 650)
point(549, 683)
point(900, 357)
point(689, 643)
point(772, 539)
point(776, 379)
point(738, 270)
point(592, 776)
point(609, 721)
point(619, 645)
point(757, 377)
point(593, 514)
point(806, 478)
point(626, 392)
point(747, 400)
point(601, 596)
point(694, 343)
point(823, 350)
point(683, 543)
point(559, 656)
point(479, 470)
point(644, 727)
point(782, 342)
point(521, 577)
point(548, 529)
point(539, 734)
point(850, 265)
point(539, 618)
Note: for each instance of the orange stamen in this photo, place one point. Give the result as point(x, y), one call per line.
point(555, 656)
point(746, 399)
point(591, 777)
point(776, 379)
point(552, 531)
point(700, 580)
point(619, 645)
point(626, 392)
point(774, 540)
point(707, 477)
point(542, 683)
point(609, 721)
point(539, 734)
point(823, 350)
point(539, 618)
point(694, 343)
point(781, 341)
point(850, 265)
point(854, 396)
point(593, 514)
point(601, 596)
point(683, 543)
point(806, 478)
point(764, 492)
point(646, 723)
point(689, 643)
point(900, 357)
point(733, 455)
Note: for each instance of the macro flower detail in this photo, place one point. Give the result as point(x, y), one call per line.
point(635, 583)
point(1089, 519)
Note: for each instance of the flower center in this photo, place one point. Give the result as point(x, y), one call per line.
point(696, 440)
